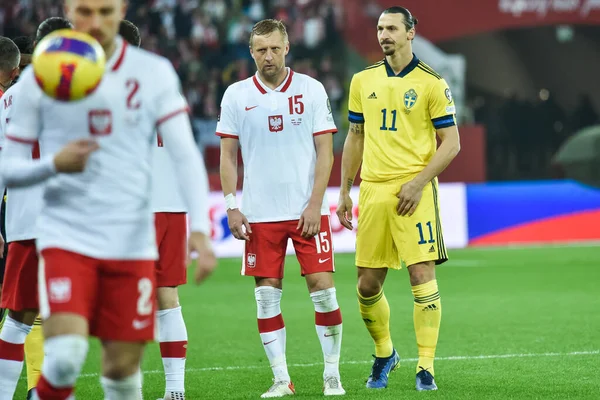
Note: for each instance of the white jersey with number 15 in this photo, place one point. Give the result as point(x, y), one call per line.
point(276, 130)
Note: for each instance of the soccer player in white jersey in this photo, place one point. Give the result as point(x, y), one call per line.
point(96, 228)
point(9, 70)
point(20, 295)
point(282, 121)
point(171, 231)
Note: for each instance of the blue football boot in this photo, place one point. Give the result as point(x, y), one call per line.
point(425, 380)
point(381, 370)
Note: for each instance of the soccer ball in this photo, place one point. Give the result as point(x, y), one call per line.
point(68, 65)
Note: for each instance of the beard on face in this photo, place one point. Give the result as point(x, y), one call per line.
point(270, 70)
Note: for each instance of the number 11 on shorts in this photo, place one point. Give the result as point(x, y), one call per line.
point(322, 242)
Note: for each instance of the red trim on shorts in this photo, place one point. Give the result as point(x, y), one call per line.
point(12, 351)
point(46, 391)
point(332, 318)
point(288, 83)
point(270, 324)
point(225, 135)
point(121, 57)
point(173, 349)
point(258, 85)
point(171, 115)
point(324, 132)
point(21, 140)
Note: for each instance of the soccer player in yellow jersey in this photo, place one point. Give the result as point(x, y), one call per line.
point(396, 108)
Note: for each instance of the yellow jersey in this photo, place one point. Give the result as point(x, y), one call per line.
point(400, 114)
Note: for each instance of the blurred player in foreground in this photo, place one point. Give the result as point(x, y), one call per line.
point(396, 108)
point(9, 70)
point(282, 121)
point(171, 232)
point(96, 229)
point(21, 294)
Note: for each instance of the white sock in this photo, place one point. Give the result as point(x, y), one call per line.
point(272, 329)
point(122, 389)
point(12, 354)
point(64, 356)
point(173, 338)
point(328, 321)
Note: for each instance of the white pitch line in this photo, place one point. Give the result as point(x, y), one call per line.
point(450, 358)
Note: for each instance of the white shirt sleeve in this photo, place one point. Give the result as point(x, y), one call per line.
point(17, 168)
point(169, 101)
point(227, 125)
point(178, 139)
point(322, 117)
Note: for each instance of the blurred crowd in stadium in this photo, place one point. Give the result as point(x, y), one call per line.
point(207, 41)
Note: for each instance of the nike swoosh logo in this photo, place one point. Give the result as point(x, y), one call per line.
point(321, 261)
point(269, 342)
point(139, 325)
point(330, 334)
point(250, 108)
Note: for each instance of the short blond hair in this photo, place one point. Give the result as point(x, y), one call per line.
point(267, 26)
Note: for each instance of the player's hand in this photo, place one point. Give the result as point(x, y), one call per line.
point(206, 261)
point(310, 221)
point(344, 210)
point(409, 198)
point(73, 157)
point(238, 224)
point(1, 246)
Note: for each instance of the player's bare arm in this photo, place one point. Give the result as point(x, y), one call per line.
point(351, 160)
point(229, 176)
point(411, 192)
point(310, 220)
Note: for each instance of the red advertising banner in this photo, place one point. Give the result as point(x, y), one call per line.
point(444, 20)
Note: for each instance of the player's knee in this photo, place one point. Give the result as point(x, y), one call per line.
point(64, 357)
point(272, 282)
point(120, 365)
point(369, 287)
point(319, 281)
point(167, 297)
point(421, 273)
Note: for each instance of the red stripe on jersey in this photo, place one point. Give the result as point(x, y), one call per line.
point(21, 140)
point(288, 83)
point(11, 351)
point(332, 318)
point(225, 135)
point(258, 85)
point(270, 324)
point(324, 132)
point(171, 115)
point(121, 57)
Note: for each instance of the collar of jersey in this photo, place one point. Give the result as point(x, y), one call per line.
point(281, 88)
point(411, 65)
point(116, 60)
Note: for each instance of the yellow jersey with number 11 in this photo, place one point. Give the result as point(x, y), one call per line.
point(400, 114)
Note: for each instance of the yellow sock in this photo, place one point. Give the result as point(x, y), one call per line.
point(427, 317)
point(34, 354)
point(375, 312)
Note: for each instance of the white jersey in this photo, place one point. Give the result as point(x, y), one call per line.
point(22, 204)
point(166, 194)
point(276, 130)
point(104, 212)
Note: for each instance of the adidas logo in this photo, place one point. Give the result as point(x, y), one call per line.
point(368, 321)
point(430, 307)
point(372, 96)
point(432, 249)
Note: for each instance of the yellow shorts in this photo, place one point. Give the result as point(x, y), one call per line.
point(387, 240)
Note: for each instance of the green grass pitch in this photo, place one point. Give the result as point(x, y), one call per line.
point(518, 323)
